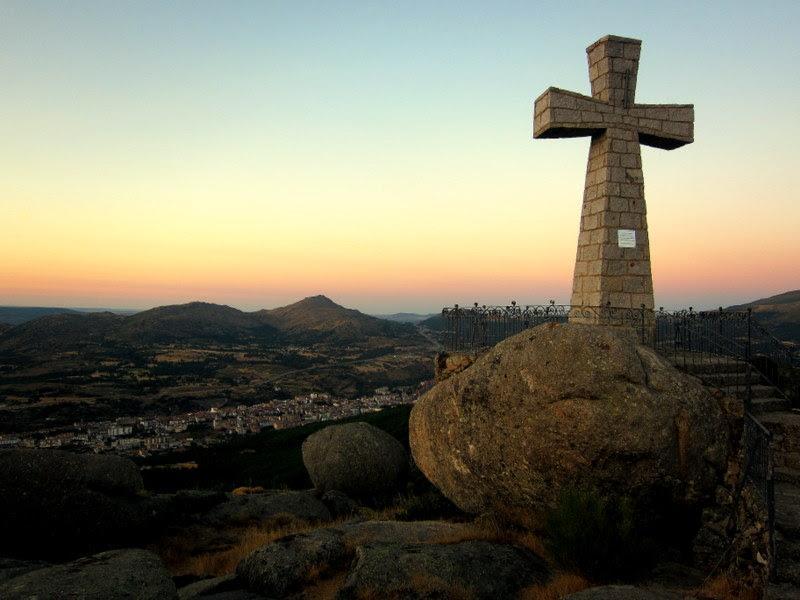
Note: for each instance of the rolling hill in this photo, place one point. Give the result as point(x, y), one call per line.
point(194, 322)
point(16, 315)
point(319, 318)
point(312, 320)
point(58, 332)
point(779, 314)
point(404, 317)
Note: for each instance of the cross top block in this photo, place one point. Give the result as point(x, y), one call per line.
point(613, 68)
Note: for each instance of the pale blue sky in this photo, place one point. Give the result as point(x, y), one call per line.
point(265, 120)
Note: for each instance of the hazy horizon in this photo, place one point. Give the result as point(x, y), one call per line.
point(390, 309)
point(253, 154)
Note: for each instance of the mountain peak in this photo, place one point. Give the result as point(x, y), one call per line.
point(318, 301)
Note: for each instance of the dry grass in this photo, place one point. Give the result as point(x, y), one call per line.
point(560, 586)
point(423, 585)
point(493, 532)
point(244, 491)
point(325, 588)
point(201, 552)
point(726, 587)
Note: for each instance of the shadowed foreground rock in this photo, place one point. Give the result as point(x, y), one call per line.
point(567, 405)
point(55, 504)
point(473, 569)
point(355, 458)
point(254, 508)
point(107, 576)
point(283, 566)
point(623, 592)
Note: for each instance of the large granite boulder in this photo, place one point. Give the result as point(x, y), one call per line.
point(116, 574)
point(566, 405)
point(471, 569)
point(55, 504)
point(355, 458)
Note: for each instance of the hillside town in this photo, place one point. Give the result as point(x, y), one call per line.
point(144, 436)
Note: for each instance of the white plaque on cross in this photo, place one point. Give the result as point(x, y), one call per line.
point(626, 238)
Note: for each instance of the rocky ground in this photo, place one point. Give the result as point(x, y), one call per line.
point(372, 527)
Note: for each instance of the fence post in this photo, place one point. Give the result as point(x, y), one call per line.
point(749, 393)
point(641, 324)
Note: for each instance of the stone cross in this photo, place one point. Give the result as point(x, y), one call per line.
point(612, 266)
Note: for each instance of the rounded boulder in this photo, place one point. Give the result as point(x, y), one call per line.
point(357, 459)
point(567, 405)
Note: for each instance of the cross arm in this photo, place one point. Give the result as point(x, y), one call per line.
point(558, 113)
point(666, 126)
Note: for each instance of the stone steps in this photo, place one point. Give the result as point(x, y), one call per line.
point(707, 366)
point(788, 570)
point(789, 460)
point(785, 428)
point(728, 379)
point(775, 413)
point(787, 475)
point(787, 509)
point(782, 591)
point(787, 547)
point(761, 406)
point(757, 391)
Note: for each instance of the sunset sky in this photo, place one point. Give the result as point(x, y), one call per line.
point(380, 153)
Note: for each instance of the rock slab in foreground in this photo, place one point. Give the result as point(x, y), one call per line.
point(623, 592)
point(56, 504)
point(255, 508)
point(357, 459)
point(118, 574)
point(472, 569)
point(567, 405)
point(283, 566)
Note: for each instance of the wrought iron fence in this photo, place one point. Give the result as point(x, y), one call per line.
point(480, 327)
point(759, 472)
point(700, 341)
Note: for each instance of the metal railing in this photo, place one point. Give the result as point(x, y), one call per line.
point(693, 339)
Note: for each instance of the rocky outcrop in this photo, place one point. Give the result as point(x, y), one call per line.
point(567, 405)
point(56, 504)
point(471, 569)
point(10, 567)
point(282, 567)
point(357, 459)
point(253, 508)
point(116, 574)
point(209, 587)
point(447, 364)
point(623, 592)
point(339, 503)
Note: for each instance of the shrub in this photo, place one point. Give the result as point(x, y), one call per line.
point(597, 535)
point(430, 505)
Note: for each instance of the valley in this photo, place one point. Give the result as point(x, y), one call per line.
point(61, 369)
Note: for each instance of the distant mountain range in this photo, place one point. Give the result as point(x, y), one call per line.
point(779, 314)
point(16, 315)
point(404, 317)
point(313, 320)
